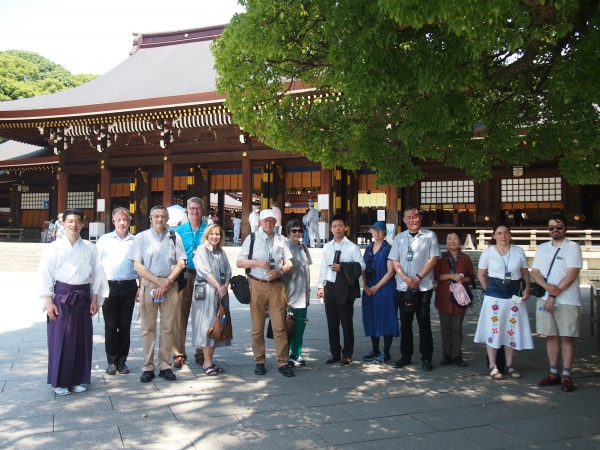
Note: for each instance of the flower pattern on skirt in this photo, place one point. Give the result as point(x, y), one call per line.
point(503, 323)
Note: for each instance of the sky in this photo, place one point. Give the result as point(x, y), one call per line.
point(90, 36)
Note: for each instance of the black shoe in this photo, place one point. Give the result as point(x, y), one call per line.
point(167, 374)
point(260, 369)
point(459, 361)
point(147, 376)
point(111, 369)
point(446, 361)
point(402, 362)
point(286, 371)
point(332, 359)
point(123, 368)
point(427, 366)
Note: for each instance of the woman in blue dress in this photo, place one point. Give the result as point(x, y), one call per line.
point(379, 296)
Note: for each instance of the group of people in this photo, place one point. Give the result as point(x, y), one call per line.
point(76, 276)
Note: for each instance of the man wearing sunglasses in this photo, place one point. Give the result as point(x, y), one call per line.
point(556, 268)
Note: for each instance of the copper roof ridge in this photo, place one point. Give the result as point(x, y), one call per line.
point(164, 38)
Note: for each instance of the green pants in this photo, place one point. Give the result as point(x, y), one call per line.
point(295, 345)
point(452, 337)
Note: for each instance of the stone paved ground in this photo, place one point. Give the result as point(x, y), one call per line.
point(361, 406)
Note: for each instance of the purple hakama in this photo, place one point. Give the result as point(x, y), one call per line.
point(70, 337)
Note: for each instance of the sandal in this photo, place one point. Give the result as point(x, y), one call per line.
point(210, 371)
point(510, 370)
point(217, 368)
point(567, 385)
point(495, 373)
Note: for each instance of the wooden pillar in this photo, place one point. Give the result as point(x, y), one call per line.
point(391, 205)
point(15, 206)
point(53, 199)
point(63, 190)
point(105, 180)
point(168, 183)
point(326, 188)
point(247, 187)
point(350, 179)
point(139, 196)
point(221, 208)
point(199, 184)
point(574, 206)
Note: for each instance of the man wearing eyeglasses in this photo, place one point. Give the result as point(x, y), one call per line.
point(191, 236)
point(556, 268)
point(270, 260)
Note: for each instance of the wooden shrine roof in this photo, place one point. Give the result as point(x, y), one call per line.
point(164, 70)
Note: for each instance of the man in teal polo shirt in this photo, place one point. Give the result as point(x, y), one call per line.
point(191, 237)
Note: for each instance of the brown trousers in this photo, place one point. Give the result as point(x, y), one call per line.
point(182, 318)
point(149, 314)
point(271, 295)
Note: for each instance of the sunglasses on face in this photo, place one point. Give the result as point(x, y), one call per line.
point(552, 227)
point(296, 230)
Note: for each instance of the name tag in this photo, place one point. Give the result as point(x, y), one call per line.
point(409, 256)
point(194, 252)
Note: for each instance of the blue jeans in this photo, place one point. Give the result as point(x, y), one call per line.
point(496, 288)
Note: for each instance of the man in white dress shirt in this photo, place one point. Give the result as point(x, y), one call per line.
point(339, 286)
point(117, 309)
point(71, 282)
point(158, 261)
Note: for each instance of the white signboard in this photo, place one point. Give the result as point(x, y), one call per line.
point(381, 215)
point(323, 200)
point(100, 205)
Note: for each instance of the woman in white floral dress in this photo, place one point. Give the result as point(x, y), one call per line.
point(503, 319)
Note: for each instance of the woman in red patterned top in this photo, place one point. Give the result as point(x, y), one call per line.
point(453, 266)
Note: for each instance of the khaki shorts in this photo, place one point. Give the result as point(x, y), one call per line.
point(563, 321)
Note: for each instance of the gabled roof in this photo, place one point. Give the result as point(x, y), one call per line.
point(164, 70)
point(12, 150)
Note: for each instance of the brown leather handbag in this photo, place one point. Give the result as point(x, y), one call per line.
point(221, 329)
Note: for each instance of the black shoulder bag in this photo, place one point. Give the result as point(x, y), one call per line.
point(182, 277)
point(239, 283)
point(535, 289)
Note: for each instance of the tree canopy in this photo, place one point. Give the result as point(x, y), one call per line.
point(26, 74)
point(392, 83)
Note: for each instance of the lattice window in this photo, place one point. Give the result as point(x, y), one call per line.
point(455, 191)
point(531, 190)
point(34, 200)
point(81, 200)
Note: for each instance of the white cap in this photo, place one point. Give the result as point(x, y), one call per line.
point(267, 214)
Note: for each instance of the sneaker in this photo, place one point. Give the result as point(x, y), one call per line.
point(382, 358)
point(62, 391)
point(78, 388)
point(167, 374)
point(370, 356)
point(295, 361)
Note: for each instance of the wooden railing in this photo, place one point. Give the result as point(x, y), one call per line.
point(530, 239)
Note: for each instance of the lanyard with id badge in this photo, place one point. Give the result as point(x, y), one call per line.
point(507, 275)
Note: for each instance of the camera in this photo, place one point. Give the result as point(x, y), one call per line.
point(272, 264)
point(370, 272)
